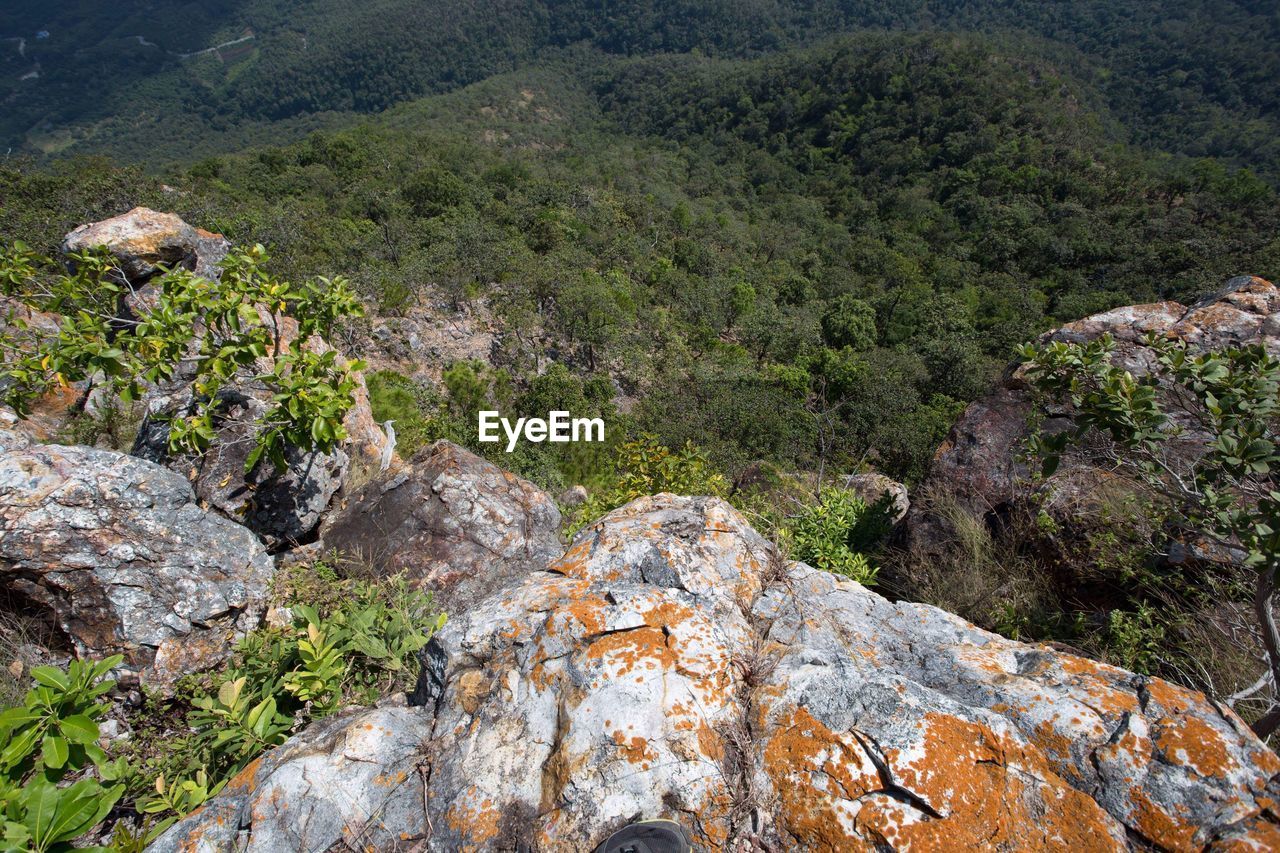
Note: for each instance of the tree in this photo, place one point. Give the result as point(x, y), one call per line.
point(222, 328)
point(1200, 429)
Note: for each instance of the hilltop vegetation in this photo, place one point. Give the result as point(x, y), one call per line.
point(1192, 77)
point(815, 258)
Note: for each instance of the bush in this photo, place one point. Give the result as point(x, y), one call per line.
point(644, 466)
point(50, 738)
point(226, 327)
point(832, 533)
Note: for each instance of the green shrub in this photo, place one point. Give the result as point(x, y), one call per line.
point(353, 642)
point(646, 467)
point(1135, 640)
point(832, 534)
point(230, 324)
point(414, 409)
point(50, 738)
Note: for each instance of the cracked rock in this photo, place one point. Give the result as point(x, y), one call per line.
point(670, 664)
point(125, 560)
point(454, 523)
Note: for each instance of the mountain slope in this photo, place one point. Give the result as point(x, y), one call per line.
point(1189, 76)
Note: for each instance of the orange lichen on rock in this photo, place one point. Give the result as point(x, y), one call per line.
point(994, 793)
point(625, 650)
point(479, 824)
point(818, 774)
point(1192, 743)
point(1158, 826)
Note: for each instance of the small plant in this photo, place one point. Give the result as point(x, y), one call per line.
point(53, 735)
point(178, 798)
point(1221, 409)
point(317, 680)
point(224, 327)
point(645, 466)
point(830, 534)
point(1135, 640)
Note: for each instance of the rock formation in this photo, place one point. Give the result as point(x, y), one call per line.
point(456, 524)
point(873, 487)
point(143, 240)
point(980, 466)
point(120, 553)
point(671, 664)
point(283, 508)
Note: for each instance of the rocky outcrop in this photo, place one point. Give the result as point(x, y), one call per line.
point(980, 465)
point(143, 240)
point(671, 664)
point(454, 523)
point(873, 487)
point(283, 507)
point(124, 558)
point(351, 782)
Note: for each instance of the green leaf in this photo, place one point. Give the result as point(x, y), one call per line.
point(54, 751)
point(79, 729)
point(51, 677)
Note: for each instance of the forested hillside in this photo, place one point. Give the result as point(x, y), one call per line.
point(143, 79)
point(816, 258)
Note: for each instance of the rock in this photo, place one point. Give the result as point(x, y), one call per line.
point(125, 559)
point(143, 240)
point(350, 782)
point(12, 440)
point(672, 665)
point(575, 496)
point(285, 507)
point(872, 487)
point(979, 465)
point(456, 524)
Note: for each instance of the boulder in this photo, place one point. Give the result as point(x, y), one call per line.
point(980, 465)
point(284, 507)
point(454, 523)
point(872, 487)
point(124, 558)
point(672, 664)
point(574, 496)
point(144, 240)
point(350, 782)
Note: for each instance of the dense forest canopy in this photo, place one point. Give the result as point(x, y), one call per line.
point(821, 253)
point(129, 78)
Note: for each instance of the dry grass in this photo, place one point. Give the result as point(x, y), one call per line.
point(26, 639)
point(974, 574)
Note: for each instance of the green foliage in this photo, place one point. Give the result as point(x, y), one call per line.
point(51, 737)
point(1232, 398)
point(833, 533)
point(1135, 640)
point(349, 642)
point(644, 466)
point(413, 408)
point(224, 327)
point(1200, 431)
point(891, 214)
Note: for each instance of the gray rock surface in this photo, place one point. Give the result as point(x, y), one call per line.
point(872, 487)
point(979, 466)
point(284, 507)
point(124, 557)
point(350, 782)
point(670, 664)
point(454, 523)
point(144, 240)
